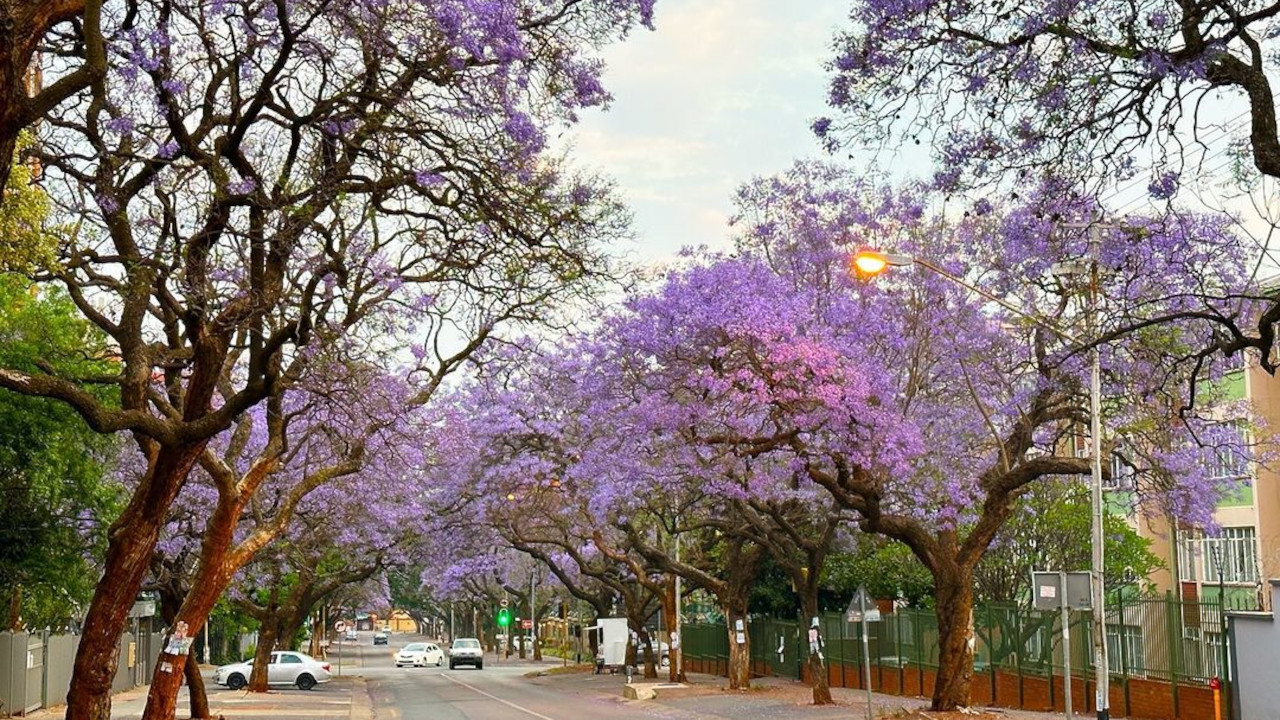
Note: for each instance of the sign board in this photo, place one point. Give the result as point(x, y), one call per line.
point(871, 615)
point(143, 608)
point(502, 602)
point(526, 624)
point(1048, 593)
point(339, 626)
point(862, 608)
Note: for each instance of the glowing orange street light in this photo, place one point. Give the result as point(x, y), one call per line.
point(870, 263)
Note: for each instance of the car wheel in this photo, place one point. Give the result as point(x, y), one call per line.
point(452, 666)
point(236, 682)
point(439, 661)
point(479, 666)
point(306, 682)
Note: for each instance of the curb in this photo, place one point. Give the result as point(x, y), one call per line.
point(361, 701)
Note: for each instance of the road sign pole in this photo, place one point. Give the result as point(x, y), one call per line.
point(1066, 642)
point(866, 651)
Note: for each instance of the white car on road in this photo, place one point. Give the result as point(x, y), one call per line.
point(420, 655)
point(286, 668)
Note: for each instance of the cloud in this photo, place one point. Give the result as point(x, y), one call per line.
point(724, 90)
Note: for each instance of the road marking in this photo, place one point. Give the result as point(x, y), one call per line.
point(508, 703)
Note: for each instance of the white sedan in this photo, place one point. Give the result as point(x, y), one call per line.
point(420, 655)
point(286, 668)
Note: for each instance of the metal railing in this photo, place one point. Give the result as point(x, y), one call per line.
point(1162, 638)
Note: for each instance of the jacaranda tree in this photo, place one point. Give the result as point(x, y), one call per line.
point(1156, 93)
point(236, 199)
point(919, 406)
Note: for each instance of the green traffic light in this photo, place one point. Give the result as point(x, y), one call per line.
point(504, 617)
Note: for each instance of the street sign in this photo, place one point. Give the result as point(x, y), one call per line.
point(861, 607)
point(143, 608)
point(502, 602)
point(526, 624)
point(1048, 594)
point(339, 626)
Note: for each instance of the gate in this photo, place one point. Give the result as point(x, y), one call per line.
point(779, 644)
point(35, 672)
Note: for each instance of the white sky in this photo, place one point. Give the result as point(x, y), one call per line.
point(722, 92)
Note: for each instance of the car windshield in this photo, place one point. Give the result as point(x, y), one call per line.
point(466, 643)
point(413, 647)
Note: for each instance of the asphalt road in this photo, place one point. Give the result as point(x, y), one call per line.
point(498, 692)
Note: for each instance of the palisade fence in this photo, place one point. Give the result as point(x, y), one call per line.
point(35, 668)
point(1162, 651)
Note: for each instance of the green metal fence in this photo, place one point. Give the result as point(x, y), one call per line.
point(1158, 638)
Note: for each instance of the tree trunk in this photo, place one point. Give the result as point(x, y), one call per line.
point(170, 605)
point(23, 24)
point(650, 661)
point(314, 648)
point(13, 622)
point(195, 690)
point(131, 540)
point(268, 633)
point(292, 616)
point(955, 637)
point(739, 652)
point(212, 576)
point(675, 668)
point(817, 661)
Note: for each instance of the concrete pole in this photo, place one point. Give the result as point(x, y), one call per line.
point(678, 651)
point(1102, 672)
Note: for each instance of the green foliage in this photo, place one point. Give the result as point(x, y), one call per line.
point(887, 569)
point(1050, 530)
point(226, 623)
point(772, 593)
point(56, 498)
point(25, 244)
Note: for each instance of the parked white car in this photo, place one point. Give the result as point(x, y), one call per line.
point(286, 668)
point(420, 655)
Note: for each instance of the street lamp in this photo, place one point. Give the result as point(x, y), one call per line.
point(868, 263)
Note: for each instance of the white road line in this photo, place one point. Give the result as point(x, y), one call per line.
point(494, 697)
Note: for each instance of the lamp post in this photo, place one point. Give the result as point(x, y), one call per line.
point(870, 263)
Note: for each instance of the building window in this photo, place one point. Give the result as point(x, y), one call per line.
point(1188, 558)
point(1123, 475)
point(1135, 662)
point(1234, 554)
point(1226, 460)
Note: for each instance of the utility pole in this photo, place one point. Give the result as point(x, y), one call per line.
point(1102, 675)
point(677, 649)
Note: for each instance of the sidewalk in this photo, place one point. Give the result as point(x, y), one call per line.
point(343, 698)
point(769, 697)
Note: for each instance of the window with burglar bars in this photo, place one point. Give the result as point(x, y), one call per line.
point(1123, 476)
point(1225, 462)
point(1235, 551)
point(1188, 558)
point(1134, 648)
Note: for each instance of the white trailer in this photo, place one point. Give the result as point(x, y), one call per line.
point(612, 636)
